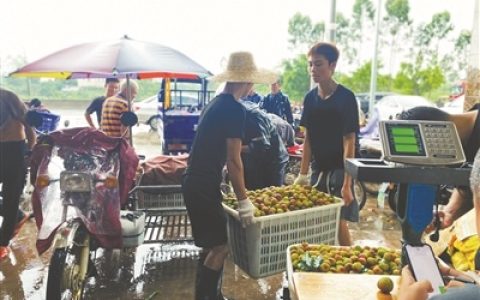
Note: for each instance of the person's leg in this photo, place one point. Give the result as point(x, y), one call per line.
point(209, 232)
point(348, 213)
point(210, 274)
point(12, 190)
point(344, 238)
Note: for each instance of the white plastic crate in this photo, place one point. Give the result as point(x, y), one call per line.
point(260, 248)
point(160, 197)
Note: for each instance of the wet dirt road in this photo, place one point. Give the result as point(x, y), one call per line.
point(162, 271)
point(159, 271)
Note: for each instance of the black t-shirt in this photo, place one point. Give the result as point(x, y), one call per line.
point(327, 122)
point(473, 143)
point(96, 107)
point(222, 118)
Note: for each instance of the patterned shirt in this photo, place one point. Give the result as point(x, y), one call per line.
point(112, 109)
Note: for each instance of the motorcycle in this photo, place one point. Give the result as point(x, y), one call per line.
point(293, 168)
point(81, 181)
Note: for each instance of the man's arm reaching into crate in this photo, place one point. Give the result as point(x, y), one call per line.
point(235, 171)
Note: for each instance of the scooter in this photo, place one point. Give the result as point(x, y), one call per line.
point(81, 180)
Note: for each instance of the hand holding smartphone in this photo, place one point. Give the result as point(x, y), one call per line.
point(424, 266)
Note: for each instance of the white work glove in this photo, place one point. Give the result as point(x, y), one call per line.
point(245, 211)
point(301, 179)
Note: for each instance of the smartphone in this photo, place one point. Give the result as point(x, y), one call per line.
point(424, 266)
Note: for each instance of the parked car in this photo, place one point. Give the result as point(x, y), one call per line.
point(148, 109)
point(390, 106)
point(364, 100)
point(455, 106)
point(387, 109)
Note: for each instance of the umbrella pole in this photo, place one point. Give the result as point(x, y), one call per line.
point(129, 93)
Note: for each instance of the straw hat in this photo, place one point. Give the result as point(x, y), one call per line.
point(241, 68)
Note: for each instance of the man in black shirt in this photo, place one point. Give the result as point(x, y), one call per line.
point(330, 118)
point(278, 103)
point(112, 86)
point(218, 141)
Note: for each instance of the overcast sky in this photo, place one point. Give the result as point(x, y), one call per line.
point(205, 30)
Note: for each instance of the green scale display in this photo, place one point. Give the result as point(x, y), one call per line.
point(428, 143)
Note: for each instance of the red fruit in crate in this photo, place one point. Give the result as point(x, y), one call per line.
point(362, 260)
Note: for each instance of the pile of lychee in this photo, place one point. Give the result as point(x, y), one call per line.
point(357, 259)
point(280, 199)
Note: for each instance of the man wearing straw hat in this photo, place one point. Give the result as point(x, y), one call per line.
point(218, 141)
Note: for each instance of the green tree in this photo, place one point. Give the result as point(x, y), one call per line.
point(303, 32)
point(295, 78)
point(412, 79)
point(429, 36)
point(346, 38)
point(359, 81)
point(397, 23)
point(458, 57)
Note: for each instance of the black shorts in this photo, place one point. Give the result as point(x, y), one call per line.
point(205, 210)
point(331, 182)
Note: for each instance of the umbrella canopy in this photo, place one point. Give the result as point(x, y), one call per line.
point(121, 58)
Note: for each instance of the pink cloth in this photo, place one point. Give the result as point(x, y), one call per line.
point(84, 140)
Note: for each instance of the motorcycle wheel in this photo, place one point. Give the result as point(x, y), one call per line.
point(371, 187)
point(359, 193)
point(67, 273)
point(153, 123)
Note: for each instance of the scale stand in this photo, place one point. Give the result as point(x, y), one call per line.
point(417, 190)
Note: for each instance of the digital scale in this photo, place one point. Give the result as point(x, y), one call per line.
point(418, 156)
point(426, 143)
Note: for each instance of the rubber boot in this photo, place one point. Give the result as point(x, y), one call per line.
point(201, 260)
point(219, 287)
point(207, 288)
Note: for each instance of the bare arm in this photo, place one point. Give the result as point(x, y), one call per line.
point(306, 155)
point(31, 136)
point(235, 167)
point(348, 152)
point(89, 120)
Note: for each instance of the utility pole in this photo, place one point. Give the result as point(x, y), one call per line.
point(333, 25)
point(472, 92)
point(373, 77)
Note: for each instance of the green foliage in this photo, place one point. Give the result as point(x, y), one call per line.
point(438, 28)
point(310, 263)
point(347, 36)
point(303, 32)
point(362, 8)
point(28, 88)
point(296, 79)
point(397, 14)
point(414, 81)
point(359, 81)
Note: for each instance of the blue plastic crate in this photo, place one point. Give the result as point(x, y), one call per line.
point(49, 122)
